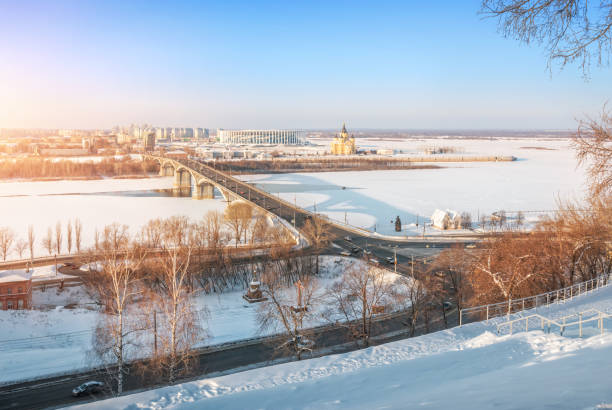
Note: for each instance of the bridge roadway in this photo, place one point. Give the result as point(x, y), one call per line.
point(343, 237)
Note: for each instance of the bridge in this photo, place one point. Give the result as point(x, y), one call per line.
point(203, 179)
point(193, 175)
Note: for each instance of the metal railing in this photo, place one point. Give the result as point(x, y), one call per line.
point(593, 315)
point(506, 308)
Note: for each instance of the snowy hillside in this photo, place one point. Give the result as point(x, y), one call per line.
point(463, 368)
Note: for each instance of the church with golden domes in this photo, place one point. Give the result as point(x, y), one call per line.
point(343, 144)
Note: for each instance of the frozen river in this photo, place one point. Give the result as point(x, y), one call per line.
point(96, 203)
point(368, 199)
point(373, 199)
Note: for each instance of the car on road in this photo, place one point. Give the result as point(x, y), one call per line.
point(367, 252)
point(355, 249)
point(390, 260)
point(374, 260)
point(348, 239)
point(90, 387)
point(345, 253)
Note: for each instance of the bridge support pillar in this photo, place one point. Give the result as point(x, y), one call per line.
point(166, 171)
point(182, 180)
point(203, 191)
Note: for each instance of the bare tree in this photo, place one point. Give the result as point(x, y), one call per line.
point(47, 241)
point(7, 237)
point(69, 236)
point(287, 310)
point(362, 293)
point(506, 266)
point(180, 327)
point(151, 233)
point(261, 229)
point(317, 230)
point(58, 237)
point(116, 286)
point(114, 236)
point(570, 30)
point(520, 219)
point(593, 145)
point(466, 220)
point(96, 239)
point(20, 246)
point(410, 294)
point(483, 222)
point(238, 216)
point(451, 269)
point(31, 241)
point(78, 228)
point(214, 222)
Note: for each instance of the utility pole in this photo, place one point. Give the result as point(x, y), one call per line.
point(412, 265)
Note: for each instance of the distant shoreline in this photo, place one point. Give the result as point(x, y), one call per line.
point(78, 178)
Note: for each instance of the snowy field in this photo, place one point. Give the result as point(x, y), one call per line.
point(96, 203)
point(373, 199)
point(58, 339)
point(462, 368)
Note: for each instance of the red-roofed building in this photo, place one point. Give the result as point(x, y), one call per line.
point(15, 290)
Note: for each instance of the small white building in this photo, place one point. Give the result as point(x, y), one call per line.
point(447, 219)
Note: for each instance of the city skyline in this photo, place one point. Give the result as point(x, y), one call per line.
point(275, 65)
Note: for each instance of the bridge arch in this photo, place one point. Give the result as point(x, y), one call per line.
point(187, 178)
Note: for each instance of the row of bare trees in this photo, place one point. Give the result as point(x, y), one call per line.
point(240, 223)
point(52, 168)
point(569, 247)
point(149, 299)
point(144, 299)
point(53, 241)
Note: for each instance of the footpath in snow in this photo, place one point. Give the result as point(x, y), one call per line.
point(462, 368)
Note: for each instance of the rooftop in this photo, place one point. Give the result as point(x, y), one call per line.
point(19, 275)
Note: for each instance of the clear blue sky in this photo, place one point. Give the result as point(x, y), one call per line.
point(285, 64)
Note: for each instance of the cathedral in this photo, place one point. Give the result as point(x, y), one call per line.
point(343, 144)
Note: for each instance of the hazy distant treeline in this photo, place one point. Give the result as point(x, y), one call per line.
point(46, 168)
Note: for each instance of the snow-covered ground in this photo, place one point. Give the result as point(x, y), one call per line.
point(61, 337)
point(42, 204)
point(462, 368)
point(373, 199)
